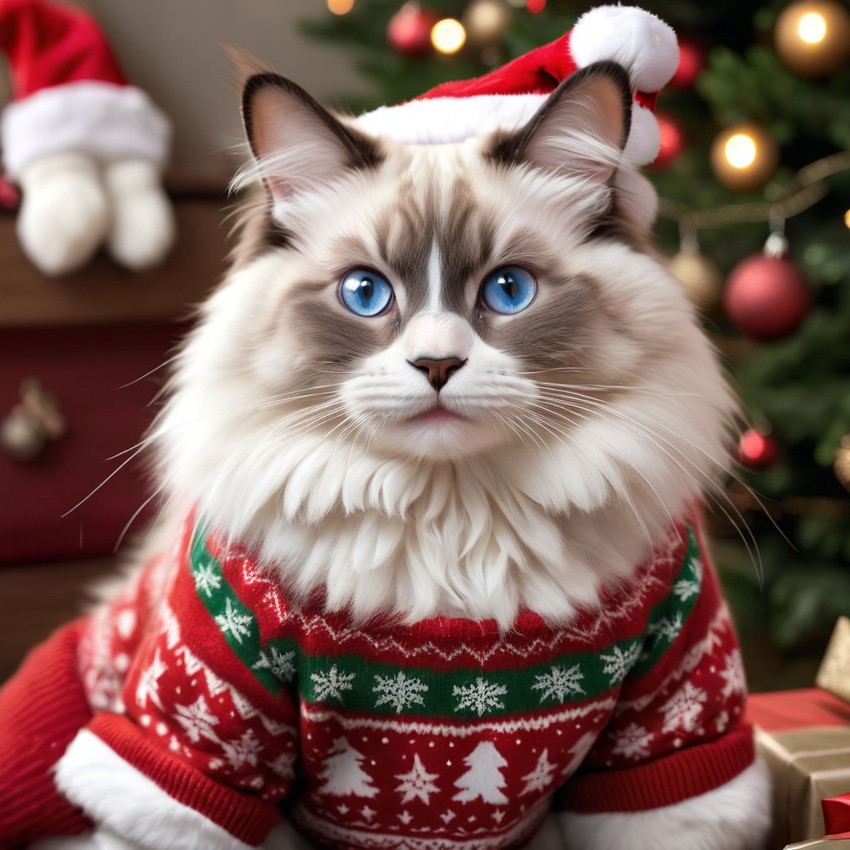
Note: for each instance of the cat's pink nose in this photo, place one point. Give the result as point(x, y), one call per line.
point(439, 370)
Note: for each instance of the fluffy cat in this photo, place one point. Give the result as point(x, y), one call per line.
point(448, 385)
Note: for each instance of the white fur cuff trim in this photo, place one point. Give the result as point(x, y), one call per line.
point(116, 795)
point(735, 816)
point(102, 120)
point(638, 40)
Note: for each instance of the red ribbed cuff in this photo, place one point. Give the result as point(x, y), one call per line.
point(42, 707)
point(246, 818)
point(680, 776)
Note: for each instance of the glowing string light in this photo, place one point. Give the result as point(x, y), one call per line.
point(812, 28)
point(448, 36)
point(740, 151)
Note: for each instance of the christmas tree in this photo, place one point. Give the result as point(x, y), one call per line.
point(754, 180)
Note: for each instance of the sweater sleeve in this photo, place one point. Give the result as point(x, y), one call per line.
point(678, 729)
point(203, 738)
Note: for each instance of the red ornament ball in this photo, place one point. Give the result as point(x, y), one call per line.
point(409, 31)
point(757, 450)
point(766, 297)
point(691, 63)
point(672, 138)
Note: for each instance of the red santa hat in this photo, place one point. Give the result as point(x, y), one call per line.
point(69, 91)
point(507, 97)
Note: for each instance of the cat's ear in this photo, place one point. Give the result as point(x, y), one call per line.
point(297, 143)
point(581, 129)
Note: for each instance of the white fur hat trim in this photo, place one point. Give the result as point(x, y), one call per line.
point(638, 40)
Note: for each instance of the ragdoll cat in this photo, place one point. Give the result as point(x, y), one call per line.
point(429, 572)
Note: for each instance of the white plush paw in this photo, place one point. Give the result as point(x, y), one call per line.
point(142, 228)
point(64, 215)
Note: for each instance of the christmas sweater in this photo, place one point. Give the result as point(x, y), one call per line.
point(206, 681)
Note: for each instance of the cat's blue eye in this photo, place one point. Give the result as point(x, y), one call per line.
point(365, 293)
point(509, 290)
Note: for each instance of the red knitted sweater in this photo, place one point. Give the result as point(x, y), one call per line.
point(205, 679)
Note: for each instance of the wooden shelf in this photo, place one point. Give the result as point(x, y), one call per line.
point(103, 292)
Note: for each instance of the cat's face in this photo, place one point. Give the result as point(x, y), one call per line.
point(445, 378)
point(448, 299)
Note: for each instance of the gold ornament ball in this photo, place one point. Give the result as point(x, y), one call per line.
point(486, 20)
point(813, 37)
point(744, 157)
point(841, 465)
point(700, 277)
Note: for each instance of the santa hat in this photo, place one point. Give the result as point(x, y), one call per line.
point(509, 96)
point(70, 94)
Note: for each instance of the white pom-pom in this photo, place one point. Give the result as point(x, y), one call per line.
point(638, 40)
point(644, 140)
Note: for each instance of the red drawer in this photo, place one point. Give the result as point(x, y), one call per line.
point(98, 376)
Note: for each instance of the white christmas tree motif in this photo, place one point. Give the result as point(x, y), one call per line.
point(332, 683)
point(684, 709)
point(207, 579)
point(480, 697)
point(232, 623)
point(281, 664)
point(632, 742)
point(484, 778)
point(418, 784)
point(343, 774)
point(242, 752)
point(541, 777)
point(197, 720)
point(401, 691)
point(148, 686)
point(405, 817)
point(283, 765)
point(667, 628)
point(735, 680)
point(580, 749)
point(559, 683)
point(619, 661)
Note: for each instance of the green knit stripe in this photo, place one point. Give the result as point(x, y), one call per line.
point(358, 684)
point(235, 620)
point(668, 618)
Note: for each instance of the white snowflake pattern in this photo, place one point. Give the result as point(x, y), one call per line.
point(418, 783)
point(480, 697)
point(401, 691)
point(684, 709)
point(685, 588)
point(207, 579)
point(283, 765)
point(735, 680)
point(541, 777)
point(405, 817)
point(332, 683)
point(233, 623)
point(559, 683)
point(619, 661)
point(667, 628)
point(148, 686)
point(721, 722)
point(632, 742)
point(242, 752)
point(281, 664)
point(368, 812)
point(197, 720)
